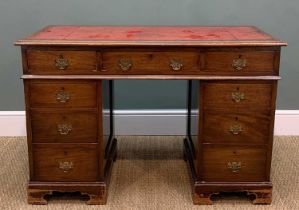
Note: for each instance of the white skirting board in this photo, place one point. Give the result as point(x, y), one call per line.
point(148, 122)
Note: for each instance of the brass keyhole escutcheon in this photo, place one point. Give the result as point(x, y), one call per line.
point(125, 64)
point(61, 63)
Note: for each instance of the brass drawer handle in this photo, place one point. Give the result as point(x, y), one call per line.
point(125, 64)
point(176, 65)
point(235, 167)
point(239, 64)
point(62, 96)
point(66, 166)
point(238, 96)
point(61, 63)
point(236, 129)
point(64, 129)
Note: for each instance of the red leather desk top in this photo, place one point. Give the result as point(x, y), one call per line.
point(151, 35)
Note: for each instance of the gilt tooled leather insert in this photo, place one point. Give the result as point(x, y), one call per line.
point(150, 33)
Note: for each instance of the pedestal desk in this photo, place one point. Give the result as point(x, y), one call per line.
point(68, 74)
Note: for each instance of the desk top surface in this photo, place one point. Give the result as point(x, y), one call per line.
point(151, 36)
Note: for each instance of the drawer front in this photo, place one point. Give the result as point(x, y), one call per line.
point(65, 162)
point(234, 164)
point(62, 127)
point(61, 62)
point(63, 94)
point(239, 63)
point(235, 95)
point(238, 128)
point(150, 62)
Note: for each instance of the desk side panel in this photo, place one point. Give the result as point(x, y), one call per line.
point(193, 119)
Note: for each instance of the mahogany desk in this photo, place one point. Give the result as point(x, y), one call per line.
point(68, 74)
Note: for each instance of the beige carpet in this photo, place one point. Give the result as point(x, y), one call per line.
point(149, 174)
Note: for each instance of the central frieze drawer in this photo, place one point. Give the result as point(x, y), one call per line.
point(64, 126)
point(148, 62)
point(68, 94)
point(66, 162)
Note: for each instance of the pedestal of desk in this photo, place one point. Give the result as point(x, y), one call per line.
point(70, 138)
point(229, 143)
